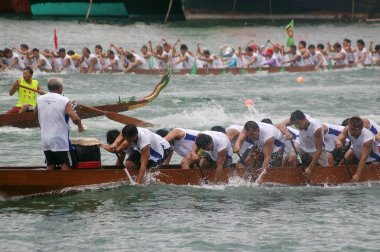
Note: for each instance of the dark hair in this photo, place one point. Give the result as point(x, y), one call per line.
point(320, 46)
point(302, 42)
point(183, 47)
point(112, 135)
point(29, 69)
point(345, 122)
point(70, 52)
point(62, 50)
point(218, 129)
point(337, 45)
point(251, 125)
point(267, 120)
point(130, 56)
point(99, 47)
point(361, 42)
point(377, 47)
point(203, 140)
point(162, 132)
point(129, 130)
point(355, 122)
point(25, 46)
point(207, 52)
point(297, 116)
point(110, 52)
point(144, 47)
point(311, 46)
point(35, 50)
point(293, 47)
point(249, 49)
point(86, 49)
point(7, 50)
point(347, 40)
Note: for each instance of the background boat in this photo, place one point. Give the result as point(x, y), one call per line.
point(200, 9)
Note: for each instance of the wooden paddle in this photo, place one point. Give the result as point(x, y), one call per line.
point(125, 169)
point(119, 117)
point(342, 152)
point(300, 161)
point(111, 115)
point(204, 178)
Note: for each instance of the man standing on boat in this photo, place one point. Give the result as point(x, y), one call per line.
point(311, 148)
point(364, 148)
point(27, 99)
point(53, 112)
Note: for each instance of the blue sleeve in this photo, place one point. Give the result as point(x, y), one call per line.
point(232, 63)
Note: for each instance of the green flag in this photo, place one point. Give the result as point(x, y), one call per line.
point(290, 34)
point(151, 62)
point(194, 69)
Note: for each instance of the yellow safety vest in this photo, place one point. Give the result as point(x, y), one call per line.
point(26, 96)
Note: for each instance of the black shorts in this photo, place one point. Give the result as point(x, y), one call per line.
point(135, 157)
point(58, 157)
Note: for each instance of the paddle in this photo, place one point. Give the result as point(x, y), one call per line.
point(345, 160)
point(204, 178)
point(111, 115)
point(299, 160)
point(125, 169)
point(119, 117)
point(297, 154)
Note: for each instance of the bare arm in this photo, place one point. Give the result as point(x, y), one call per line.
point(219, 164)
point(240, 140)
point(366, 150)
point(145, 154)
point(283, 127)
point(14, 87)
point(318, 141)
point(73, 116)
point(341, 138)
point(268, 149)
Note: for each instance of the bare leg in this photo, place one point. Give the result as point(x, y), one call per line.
point(65, 167)
point(187, 161)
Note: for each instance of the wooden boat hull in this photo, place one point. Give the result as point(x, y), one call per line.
point(27, 120)
point(16, 181)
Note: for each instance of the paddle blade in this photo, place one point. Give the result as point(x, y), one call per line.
point(127, 120)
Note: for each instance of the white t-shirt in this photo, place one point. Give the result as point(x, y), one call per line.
point(267, 131)
point(357, 145)
point(53, 122)
point(307, 136)
point(147, 137)
point(247, 144)
point(220, 142)
point(183, 146)
point(331, 135)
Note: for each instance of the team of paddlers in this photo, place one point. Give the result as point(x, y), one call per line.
point(165, 55)
point(259, 145)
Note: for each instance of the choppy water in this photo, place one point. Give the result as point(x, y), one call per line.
point(238, 217)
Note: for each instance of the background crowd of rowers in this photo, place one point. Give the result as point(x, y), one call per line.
point(166, 55)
